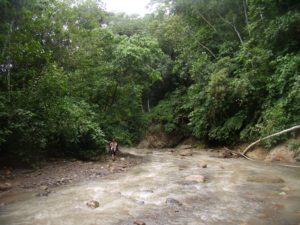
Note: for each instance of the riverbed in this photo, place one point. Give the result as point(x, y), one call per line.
point(162, 191)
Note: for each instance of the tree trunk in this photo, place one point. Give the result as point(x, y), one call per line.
point(142, 108)
point(148, 104)
point(207, 22)
point(8, 63)
point(7, 39)
point(8, 82)
point(114, 94)
point(238, 33)
point(245, 3)
point(234, 28)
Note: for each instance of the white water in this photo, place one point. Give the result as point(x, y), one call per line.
point(226, 198)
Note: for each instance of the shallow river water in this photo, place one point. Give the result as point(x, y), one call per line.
point(234, 193)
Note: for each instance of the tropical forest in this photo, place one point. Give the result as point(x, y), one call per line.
point(184, 90)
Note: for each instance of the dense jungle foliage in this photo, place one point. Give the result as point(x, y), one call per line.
point(74, 75)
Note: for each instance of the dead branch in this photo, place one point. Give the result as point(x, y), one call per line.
point(210, 51)
point(206, 20)
point(272, 135)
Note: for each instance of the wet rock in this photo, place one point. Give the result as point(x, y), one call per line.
point(139, 222)
point(102, 173)
point(263, 216)
point(61, 181)
point(265, 179)
point(202, 165)
point(196, 178)
point(148, 191)
point(44, 193)
point(173, 202)
point(277, 206)
point(93, 175)
point(188, 182)
point(5, 186)
point(186, 152)
point(44, 187)
point(226, 153)
point(184, 146)
point(8, 174)
point(286, 188)
point(93, 204)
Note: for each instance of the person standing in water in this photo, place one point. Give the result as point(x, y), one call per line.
point(114, 147)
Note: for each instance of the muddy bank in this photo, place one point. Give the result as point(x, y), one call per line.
point(56, 173)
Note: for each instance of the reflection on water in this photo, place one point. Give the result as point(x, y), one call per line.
point(226, 198)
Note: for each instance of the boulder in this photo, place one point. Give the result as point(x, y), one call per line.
point(277, 206)
point(5, 186)
point(196, 178)
point(281, 153)
point(173, 202)
point(93, 204)
point(140, 202)
point(43, 193)
point(286, 188)
point(184, 146)
point(139, 222)
point(282, 193)
point(202, 165)
point(44, 187)
point(226, 153)
point(185, 152)
point(265, 179)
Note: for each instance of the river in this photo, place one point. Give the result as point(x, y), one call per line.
point(235, 192)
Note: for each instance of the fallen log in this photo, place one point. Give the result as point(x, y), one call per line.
point(265, 138)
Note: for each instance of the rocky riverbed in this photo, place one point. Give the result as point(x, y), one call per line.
point(15, 183)
point(170, 186)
